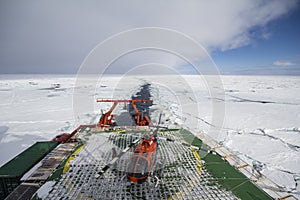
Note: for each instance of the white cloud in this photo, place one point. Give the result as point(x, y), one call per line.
point(215, 24)
point(283, 63)
point(40, 32)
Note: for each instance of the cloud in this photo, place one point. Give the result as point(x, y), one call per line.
point(51, 34)
point(283, 63)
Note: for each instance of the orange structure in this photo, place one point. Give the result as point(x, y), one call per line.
point(140, 119)
point(142, 160)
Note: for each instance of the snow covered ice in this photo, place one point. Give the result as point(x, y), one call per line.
point(261, 124)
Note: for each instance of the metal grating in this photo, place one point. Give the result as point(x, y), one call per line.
point(183, 176)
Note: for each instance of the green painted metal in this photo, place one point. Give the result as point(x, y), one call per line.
point(226, 175)
point(232, 179)
point(7, 185)
point(190, 138)
point(59, 171)
point(23, 162)
point(12, 172)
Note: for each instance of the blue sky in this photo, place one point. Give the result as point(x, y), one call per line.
point(260, 56)
point(243, 37)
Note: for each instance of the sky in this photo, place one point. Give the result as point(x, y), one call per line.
point(242, 37)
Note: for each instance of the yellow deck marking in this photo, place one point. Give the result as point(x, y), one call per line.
point(242, 166)
point(198, 161)
point(217, 147)
point(67, 165)
point(229, 155)
point(288, 196)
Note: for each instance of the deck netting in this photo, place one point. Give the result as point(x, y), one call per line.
point(184, 175)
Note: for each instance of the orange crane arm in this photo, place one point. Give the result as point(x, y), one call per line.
point(107, 117)
point(148, 120)
point(135, 108)
point(125, 101)
point(112, 108)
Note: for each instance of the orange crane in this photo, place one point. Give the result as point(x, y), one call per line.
point(140, 119)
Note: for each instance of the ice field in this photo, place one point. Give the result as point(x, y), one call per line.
point(261, 119)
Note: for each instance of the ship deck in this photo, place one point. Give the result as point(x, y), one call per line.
point(187, 174)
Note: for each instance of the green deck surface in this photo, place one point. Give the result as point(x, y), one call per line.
point(23, 162)
point(232, 179)
point(59, 171)
point(225, 174)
